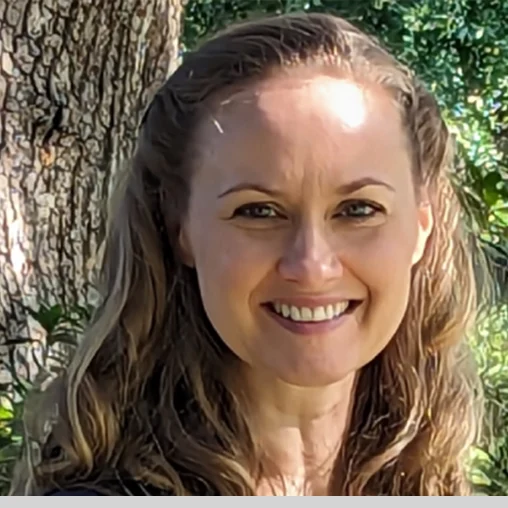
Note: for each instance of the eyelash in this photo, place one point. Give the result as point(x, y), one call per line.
point(245, 211)
point(376, 209)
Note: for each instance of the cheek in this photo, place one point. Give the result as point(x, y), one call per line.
point(382, 259)
point(230, 268)
point(230, 263)
point(382, 263)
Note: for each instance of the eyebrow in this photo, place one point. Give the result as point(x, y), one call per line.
point(347, 188)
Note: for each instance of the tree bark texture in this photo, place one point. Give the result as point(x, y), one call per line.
point(75, 76)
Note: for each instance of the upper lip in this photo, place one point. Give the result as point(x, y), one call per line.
point(310, 301)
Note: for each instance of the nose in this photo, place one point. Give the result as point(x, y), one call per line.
point(310, 259)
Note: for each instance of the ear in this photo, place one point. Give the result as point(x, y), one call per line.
point(425, 226)
point(184, 247)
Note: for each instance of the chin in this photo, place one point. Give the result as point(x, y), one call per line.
point(315, 378)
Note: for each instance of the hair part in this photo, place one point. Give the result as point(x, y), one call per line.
point(147, 396)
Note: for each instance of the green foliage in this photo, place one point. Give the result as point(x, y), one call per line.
point(489, 470)
point(63, 328)
point(10, 438)
point(489, 465)
point(459, 48)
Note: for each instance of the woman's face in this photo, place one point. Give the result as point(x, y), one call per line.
point(303, 226)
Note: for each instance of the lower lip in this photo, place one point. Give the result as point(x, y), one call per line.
point(307, 327)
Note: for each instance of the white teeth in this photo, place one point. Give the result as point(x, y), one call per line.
point(319, 314)
point(307, 314)
point(340, 308)
point(295, 313)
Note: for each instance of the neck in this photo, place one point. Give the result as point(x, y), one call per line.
point(299, 431)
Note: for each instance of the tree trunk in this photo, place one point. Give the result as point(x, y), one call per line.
point(75, 76)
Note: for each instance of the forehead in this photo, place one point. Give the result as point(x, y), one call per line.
point(304, 122)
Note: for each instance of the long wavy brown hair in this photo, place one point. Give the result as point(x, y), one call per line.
point(146, 399)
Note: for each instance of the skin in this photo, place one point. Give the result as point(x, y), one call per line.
point(338, 219)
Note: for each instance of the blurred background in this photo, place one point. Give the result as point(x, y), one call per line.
point(75, 77)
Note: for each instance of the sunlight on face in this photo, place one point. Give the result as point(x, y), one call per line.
point(346, 101)
point(303, 226)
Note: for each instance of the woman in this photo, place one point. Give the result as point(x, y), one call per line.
point(287, 286)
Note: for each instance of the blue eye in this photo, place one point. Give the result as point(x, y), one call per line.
point(256, 211)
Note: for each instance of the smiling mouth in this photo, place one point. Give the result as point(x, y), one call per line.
point(318, 314)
